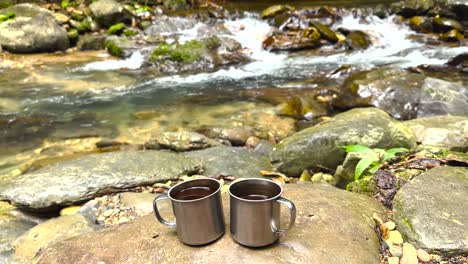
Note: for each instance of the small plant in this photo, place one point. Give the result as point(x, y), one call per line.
point(371, 159)
point(64, 4)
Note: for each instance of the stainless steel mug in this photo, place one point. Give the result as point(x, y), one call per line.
point(255, 212)
point(198, 211)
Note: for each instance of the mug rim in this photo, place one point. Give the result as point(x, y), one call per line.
point(194, 200)
point(255, 201)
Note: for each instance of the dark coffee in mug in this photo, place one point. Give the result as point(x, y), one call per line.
point(255, 197)
point(193, 193)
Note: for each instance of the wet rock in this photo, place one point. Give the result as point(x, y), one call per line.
point(357, 40)
point(430, 210)
point(175, 4)
point(228, 161)
point(206, 54)
point(75, 181)
point(302, 108)
point(320, 145)
point(345, 229)
point(91, 42)
point(421, 24)
point(452, 36)
point(275, 10)
point(109, 12)
point(45, 234)
point(307, 39)
point(167, 25)
point(40, 33)
point(13, 224)
point(325, 31)
point(410, 8)
point(449, 132)
point(185, 141)
point(402, 94)
point(121, 47)
point(236, 136)
point(445, 24)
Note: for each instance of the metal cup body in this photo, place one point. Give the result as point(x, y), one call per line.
point(198, 221)
point(253, 222)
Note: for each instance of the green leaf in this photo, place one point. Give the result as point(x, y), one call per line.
point(363, 164)
point(391, 153)
point(374, 167)
point(7, 16)
point(64, 3)
point(359, 149)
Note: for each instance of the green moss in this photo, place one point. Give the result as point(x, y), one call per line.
point(113, 49)
point(5, 3)
point(7, 16)
point(72, 33)
point(188, 52)
point(116, 29)
point(128, 32)
point(365, 185)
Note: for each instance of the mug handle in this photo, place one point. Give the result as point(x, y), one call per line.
point(292, 214)
point(156, 211)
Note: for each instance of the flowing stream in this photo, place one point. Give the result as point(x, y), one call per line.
point(101, 95)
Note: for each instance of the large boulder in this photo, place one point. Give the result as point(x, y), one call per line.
point(320, 146)
point(334, 227)
point(228, 161)
point(109, 12)
point(39, 237)
point(402, 94)
point(75, 181)
point(449, 132)
point(40, 33)
point(430, 210)
point(26, 10)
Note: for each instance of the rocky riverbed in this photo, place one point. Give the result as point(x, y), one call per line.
point(360, 110)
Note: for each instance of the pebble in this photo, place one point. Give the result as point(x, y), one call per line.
point(108, 213)
point(390, 225)
point(423, 255)
point(252, 142)
point(395, 250)
point(410, 256)
point(70, 210)
point(394, 237)
point(393, 260)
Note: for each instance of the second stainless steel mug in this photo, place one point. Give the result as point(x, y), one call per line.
point(197, 209)
point(255, 211)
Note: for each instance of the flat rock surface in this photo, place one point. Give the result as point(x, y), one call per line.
point(431, 210)
point(321, 145)
point(47, 233)
point(446, 131)
point(229, 161)
point(82, 179)
point(332, 226)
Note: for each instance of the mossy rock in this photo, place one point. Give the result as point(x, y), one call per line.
point(275, 10)
point(452, 36)
point(365, 186)
point(116, 29)
point(410, 8)
point(325, 31)
point(83, 26)
point(421, 24)
point(175, 4)
point(357, 40)
point(129, 32)
point(7, 16)
point(446, 24)
point(73, 34)
point(188, 52)
point(91, 42)
point(301, 107)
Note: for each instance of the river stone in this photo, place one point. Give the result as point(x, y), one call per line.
point(109, 12)
point(402, 94)
point(430, 211)
point(13, 224)
point(334, 227)
point(321, 145)
point(75, 181)
point(449, 132)
point(47, 233)
point(40, 33)
point(185, 141)
point(26, 10)
point(238, 162)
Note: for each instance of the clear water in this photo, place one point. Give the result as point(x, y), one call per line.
point(100, 96)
